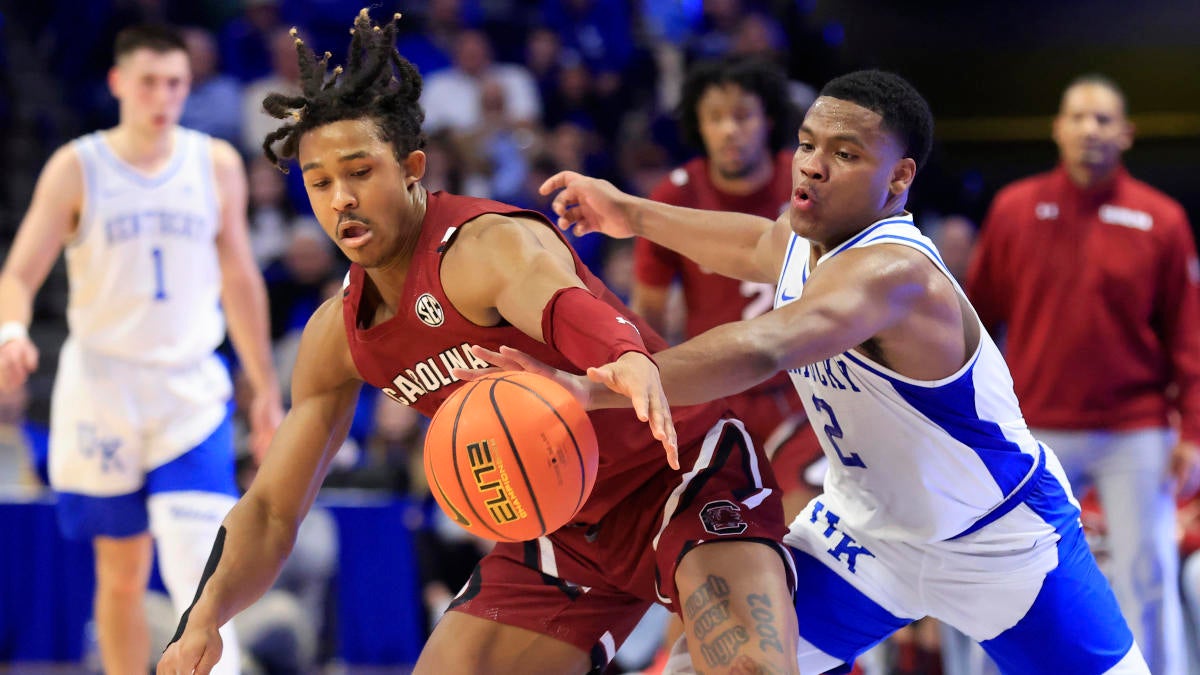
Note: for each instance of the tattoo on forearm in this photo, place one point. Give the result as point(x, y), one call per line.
point(209, 568)
point(764, 622)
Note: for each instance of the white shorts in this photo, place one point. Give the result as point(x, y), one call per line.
point(113, 423)
point(1025, 586)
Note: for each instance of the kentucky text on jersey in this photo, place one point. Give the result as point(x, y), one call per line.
point(823, 373)
point(432, 374)
point(125, 226)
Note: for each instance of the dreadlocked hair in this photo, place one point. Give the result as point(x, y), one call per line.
point(376, 83)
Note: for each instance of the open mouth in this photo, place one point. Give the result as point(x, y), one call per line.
point(352, 230)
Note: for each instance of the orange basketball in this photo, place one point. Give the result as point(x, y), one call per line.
point(511, 457)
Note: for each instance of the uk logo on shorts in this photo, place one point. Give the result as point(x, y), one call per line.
point(429, 311)
point(722, 517)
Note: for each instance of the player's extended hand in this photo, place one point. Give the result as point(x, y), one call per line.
point(266, 412)
point(633, 376)
point(589, 205)
point(196, 651)
point(18, 358)
point(509, 359)
point(636, 377)
point(1184, 466)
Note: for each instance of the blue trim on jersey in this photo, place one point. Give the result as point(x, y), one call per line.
point(1013, 500)
point(88, 161)
point(210, 190)
point(917, 242)
point(208, 467)
point(1051, 502)
point(1075, 587)
point(859, 237)
point(951, 407)
point(82, 517)
point(788, 258)
point(179, 154)
point(836, 617)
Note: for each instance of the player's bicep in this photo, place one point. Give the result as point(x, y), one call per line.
point(324, 393)
point(50, 220)
point(846, 301)
point(507, 266)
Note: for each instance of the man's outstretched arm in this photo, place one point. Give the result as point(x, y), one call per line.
point(735, 245)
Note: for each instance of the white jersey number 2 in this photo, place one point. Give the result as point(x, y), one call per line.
point(762, 298)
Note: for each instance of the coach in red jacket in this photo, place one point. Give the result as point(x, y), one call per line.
point(1093, 276)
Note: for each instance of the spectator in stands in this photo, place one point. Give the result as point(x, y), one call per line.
point(245, 41)
point(215, 102)
point(1105, 350)
point(453, 98)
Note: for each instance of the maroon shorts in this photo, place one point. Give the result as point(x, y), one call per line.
point(775, 419)
point(589, 585)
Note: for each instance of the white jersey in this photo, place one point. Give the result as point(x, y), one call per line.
point(144, 275)
point(909, 459)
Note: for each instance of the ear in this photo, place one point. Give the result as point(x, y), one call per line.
point(414, 167)
point(903, 173)
point(1127, 136)
point(114, 81)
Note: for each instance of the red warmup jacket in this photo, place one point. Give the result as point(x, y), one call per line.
point(1098, 293)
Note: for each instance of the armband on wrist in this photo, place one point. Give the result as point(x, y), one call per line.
point(12, 330)
point(587, 330)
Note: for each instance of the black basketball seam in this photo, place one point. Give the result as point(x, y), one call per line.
point(570, 432)
point(431, 471)
point(537, 509)
point(454, 459)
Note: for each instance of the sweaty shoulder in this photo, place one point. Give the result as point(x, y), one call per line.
point(492, 233)
point(64, 173)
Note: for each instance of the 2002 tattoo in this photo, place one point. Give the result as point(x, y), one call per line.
point(764, 622)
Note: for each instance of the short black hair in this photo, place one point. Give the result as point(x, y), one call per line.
point(755, 76)
point(1100, 80)
point(376, 83)
point(157, 37)
point(904, 111)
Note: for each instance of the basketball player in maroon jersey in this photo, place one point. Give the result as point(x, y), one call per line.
point(431, 275)
point(737, 112)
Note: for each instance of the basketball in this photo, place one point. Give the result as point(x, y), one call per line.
point(511, 457)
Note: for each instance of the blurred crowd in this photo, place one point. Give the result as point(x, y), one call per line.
point(514, 91)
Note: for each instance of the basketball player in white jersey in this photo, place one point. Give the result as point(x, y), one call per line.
point(938, 501)
point(152, 219)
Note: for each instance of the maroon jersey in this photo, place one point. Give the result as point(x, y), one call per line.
point(712, 299)
point(1100, 293)
point(409, 356)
